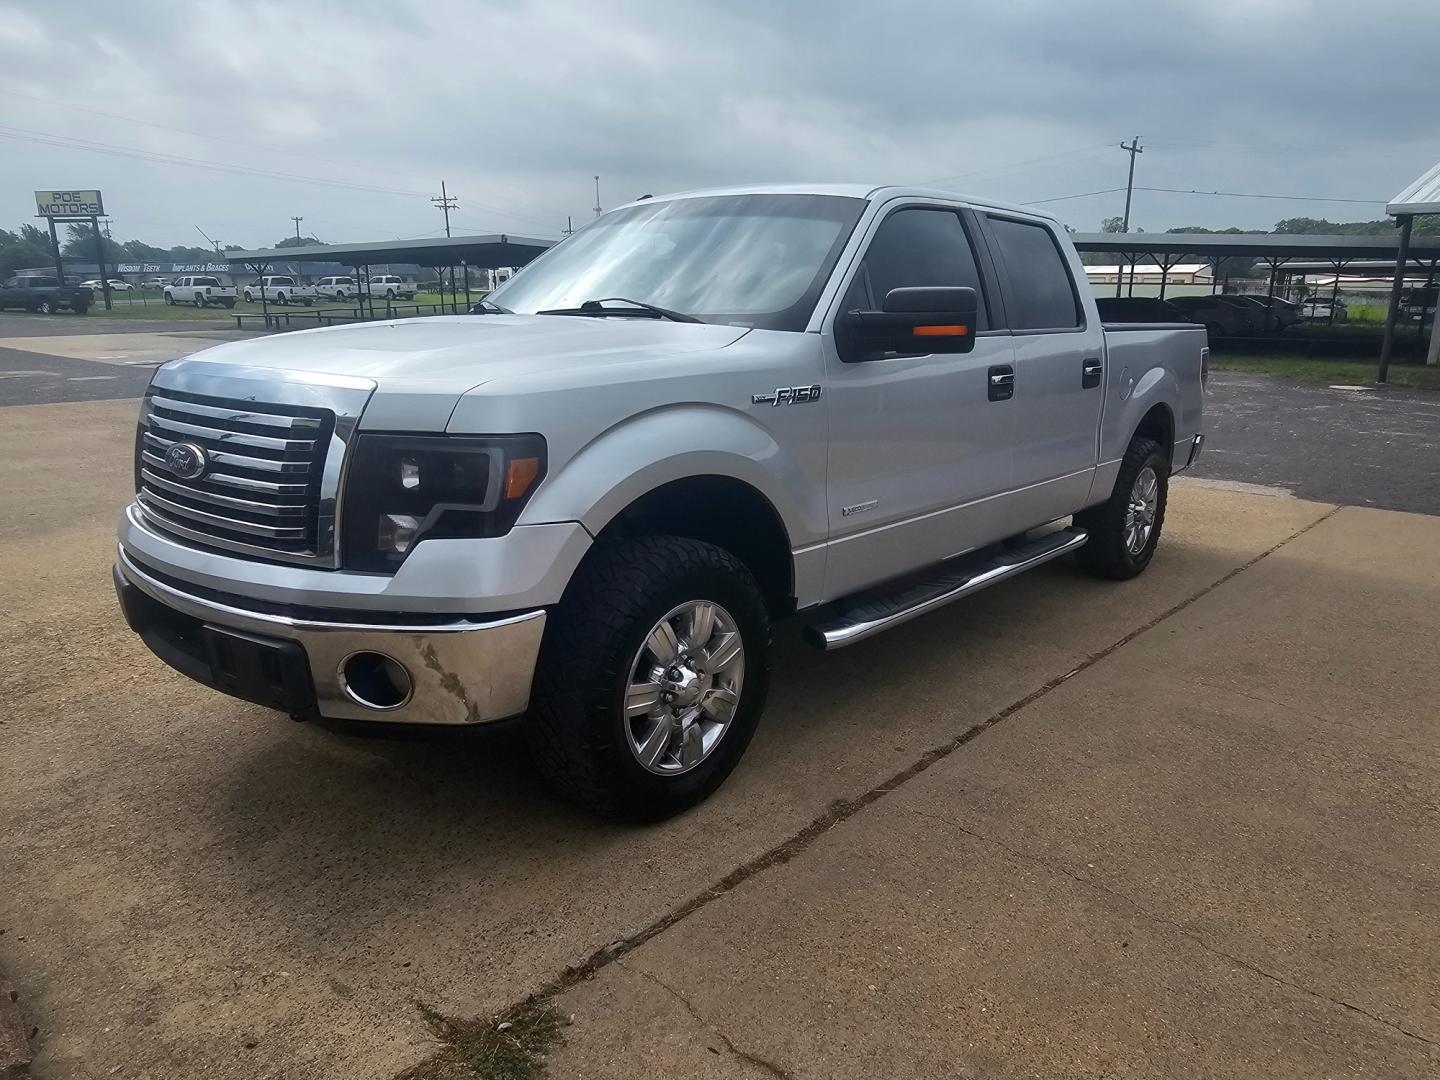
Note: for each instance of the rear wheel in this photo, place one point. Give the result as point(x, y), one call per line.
point(652, 677)
point(46, 308)
point(1125, 529)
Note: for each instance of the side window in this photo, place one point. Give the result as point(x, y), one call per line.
point(916, 246)
point(1041, 294)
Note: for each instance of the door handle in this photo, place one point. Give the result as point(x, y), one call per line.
point(1001, 382)
point(1090, 374)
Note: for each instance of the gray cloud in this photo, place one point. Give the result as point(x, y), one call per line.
point(516, 105)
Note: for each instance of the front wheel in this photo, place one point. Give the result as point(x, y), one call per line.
point(170, 300)
point(1125, 529)
point(652, 677)
point(249, 297)
point(46, 308)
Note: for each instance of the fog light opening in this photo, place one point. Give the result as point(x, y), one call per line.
point(376, 681)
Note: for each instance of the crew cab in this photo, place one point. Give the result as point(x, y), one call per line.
point(279, 289)
point(201, 291)
point(37, 292)
point(390, 287)
point(587, 503)
point(336, 287)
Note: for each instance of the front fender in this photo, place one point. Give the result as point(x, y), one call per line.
point(675, 442)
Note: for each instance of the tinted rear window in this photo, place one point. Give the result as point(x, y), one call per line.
point(1042, 296)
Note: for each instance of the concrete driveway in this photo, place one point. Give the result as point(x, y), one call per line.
point(1182, 826)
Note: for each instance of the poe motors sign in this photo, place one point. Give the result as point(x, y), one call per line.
point(69, 204)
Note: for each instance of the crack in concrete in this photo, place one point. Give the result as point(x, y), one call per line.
point(1161, 920)
point(843, 809)
point(764, 1064)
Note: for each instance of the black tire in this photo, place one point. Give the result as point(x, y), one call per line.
point(81, 309)
point(249, 297)
point(46, 308)
point(577, 724)
point(170, 299)
point(228, 304)
point(1107, 554)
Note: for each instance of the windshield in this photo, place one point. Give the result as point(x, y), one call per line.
point(749, 260)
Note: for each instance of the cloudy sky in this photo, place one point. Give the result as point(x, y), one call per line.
point(232, 117)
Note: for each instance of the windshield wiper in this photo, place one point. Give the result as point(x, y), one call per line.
point(594, 307)
point(486, 307)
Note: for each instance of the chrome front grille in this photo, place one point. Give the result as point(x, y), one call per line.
point(262, 490)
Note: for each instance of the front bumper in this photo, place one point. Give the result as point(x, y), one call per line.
point(457, 671)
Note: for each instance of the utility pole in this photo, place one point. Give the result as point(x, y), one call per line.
point(597, 196)
point(445, 202)
point(297, 221)
point(569, 229)
point(214, 243)
point(1133, 149)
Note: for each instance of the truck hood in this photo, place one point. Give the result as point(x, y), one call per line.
point(449, 355)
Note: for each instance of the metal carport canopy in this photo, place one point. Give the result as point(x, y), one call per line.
point(1259, 245)
point(481, 252)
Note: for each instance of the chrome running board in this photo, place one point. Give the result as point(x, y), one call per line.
point(873, 612)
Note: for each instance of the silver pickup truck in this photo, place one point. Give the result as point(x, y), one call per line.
point(587, 502)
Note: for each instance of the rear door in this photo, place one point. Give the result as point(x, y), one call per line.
point(919, 446)
point(1059, 377)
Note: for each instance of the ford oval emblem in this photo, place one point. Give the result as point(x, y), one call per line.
point(186, 460)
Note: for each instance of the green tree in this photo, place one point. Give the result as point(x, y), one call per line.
point(18, 252)
point(1113, 225)
point(80, 244)
point(299, 241)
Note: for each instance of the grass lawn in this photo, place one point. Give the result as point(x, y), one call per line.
point(128, 306)
point(1354, 372)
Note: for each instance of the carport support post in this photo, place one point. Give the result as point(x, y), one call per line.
point(1340, 265)
point(465, 269)
point(1407, 224)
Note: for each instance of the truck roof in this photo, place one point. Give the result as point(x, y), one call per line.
point(853, 191)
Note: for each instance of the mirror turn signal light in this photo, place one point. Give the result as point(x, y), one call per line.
point(954, 330)
point(519, 475)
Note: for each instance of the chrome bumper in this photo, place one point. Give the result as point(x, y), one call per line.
point(458, 671)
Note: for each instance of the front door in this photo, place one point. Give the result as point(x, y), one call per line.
point(918, 448)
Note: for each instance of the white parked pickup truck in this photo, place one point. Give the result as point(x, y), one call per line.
point(201, 291)
point(587, 502)
point(336, 288)
point(278, 289)
point(390, 287)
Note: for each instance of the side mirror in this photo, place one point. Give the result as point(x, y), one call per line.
point(914, 322)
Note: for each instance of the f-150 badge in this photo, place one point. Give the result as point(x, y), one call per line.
point(787, 395)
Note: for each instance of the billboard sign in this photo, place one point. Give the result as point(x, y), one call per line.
point(66, 204)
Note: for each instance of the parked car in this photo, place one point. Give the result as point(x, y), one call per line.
point(1255, 312)
point(1280, 313)
point(336, 288)
point(1220, 319)
point(391, 287)
point(201, 291)
point(279, 289)
point(1321, 309)
point(37, 292)
point(1132, 309)
point(593, 508)
point(154, 283)
point(116, 285)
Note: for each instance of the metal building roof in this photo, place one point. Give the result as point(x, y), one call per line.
point(1421, 197)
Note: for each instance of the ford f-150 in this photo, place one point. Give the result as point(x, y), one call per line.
point(587, 503)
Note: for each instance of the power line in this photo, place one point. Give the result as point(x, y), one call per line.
point(288, 151)
point(1223, 194)
point(1081, 195)
point(1078, 152)
point(114, 150)
point(1253, 195)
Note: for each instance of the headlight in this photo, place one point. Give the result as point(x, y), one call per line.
point(402, 489)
